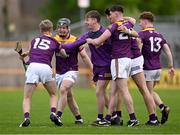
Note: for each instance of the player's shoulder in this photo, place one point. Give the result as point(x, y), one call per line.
point(56, 37)
point(146, 32)
point(72, 38)
point(45, 37)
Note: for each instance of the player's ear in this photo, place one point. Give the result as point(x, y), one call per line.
point(69, 30)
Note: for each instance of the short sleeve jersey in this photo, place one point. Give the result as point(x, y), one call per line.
point(153, 43)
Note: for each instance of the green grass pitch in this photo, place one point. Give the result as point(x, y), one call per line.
point(11, 114)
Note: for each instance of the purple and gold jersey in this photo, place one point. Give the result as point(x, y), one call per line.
point(43, 49)
point(121, 42)
point(100, 56)
point(153, 42)
point(67, 64)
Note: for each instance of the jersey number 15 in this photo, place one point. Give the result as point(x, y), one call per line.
point(41, 44)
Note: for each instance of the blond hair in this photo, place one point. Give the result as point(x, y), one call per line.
point(46, 25)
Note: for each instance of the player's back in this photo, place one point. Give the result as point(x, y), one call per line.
point(153, 42)
point(42, 49)
point(121, 42)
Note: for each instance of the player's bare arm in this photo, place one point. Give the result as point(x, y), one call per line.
point(130, 32)
point(98, 41)
point(132, 20)
point(86, 58)
point(139, 42)
point(168, 53)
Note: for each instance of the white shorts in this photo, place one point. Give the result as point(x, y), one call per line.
point(38, 72)
point(152, 75)
point(70, 75)
point(137, 65)
point(120, 68)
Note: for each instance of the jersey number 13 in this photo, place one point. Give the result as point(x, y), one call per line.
point(155, 43)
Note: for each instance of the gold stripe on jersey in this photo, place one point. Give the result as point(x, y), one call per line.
point(70, 39)
point(146, 29)
point(107, 75)
point(121, 22)
point(48, 35)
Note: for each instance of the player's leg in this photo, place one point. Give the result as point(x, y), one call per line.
point(117, 113)
point(74, 107)
point(120, 73)
point(164, 108)
point(66, 82)
point(28, 91)
point(106, 98)
point(100, 94)
point(65, 87)
point(151, 79)
point(46, 77)
point(139, 79)
point(115, 119)
point(51, 88)
point(122, 86)
point(31, 80)
point(119, 105)
point(102, 76)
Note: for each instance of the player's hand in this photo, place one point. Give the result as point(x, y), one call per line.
point(63, 53)
point(123, 29)
point(171, 71)
point(24, 54)
point(60, 45)
point(91, 41)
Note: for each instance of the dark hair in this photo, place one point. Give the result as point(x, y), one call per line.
point(107, 11)
point(147, 15)
point(93, 14)
point(118, 8)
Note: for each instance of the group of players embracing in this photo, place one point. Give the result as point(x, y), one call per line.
point(117, 53)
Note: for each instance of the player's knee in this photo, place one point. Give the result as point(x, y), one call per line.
point(63, 91)
point(27, 95)
point(100, 93)
point(52, 93)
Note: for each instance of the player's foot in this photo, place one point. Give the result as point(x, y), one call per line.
point(102, 122)
point(57, 120)
point(165, 114)
point(117, 121)
point(25, 123)
point(79, 121)
point(132, 123)
point(152, 123)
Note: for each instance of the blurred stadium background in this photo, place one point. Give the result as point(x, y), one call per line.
point(20, 19)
